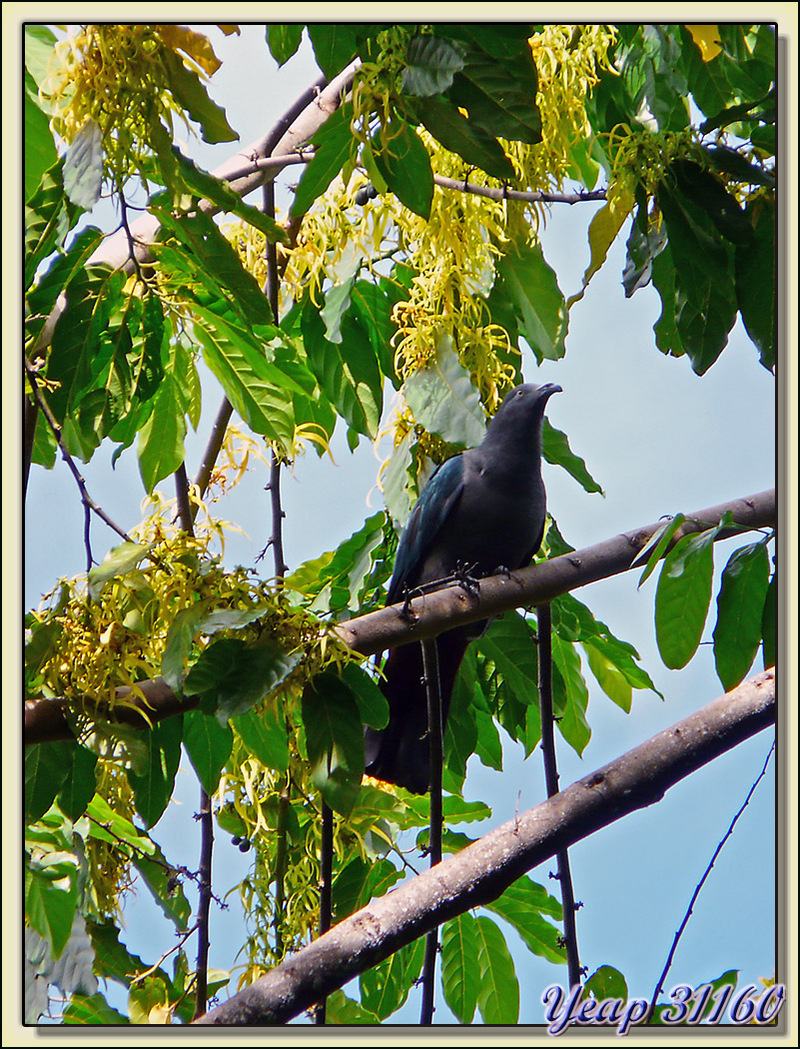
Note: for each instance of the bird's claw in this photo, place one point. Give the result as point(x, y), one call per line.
point(463, 576)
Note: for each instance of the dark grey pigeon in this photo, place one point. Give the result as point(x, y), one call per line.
point(484, 510)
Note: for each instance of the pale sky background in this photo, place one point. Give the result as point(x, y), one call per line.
point(659, 439)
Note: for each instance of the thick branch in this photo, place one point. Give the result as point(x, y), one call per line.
point(481, 872)
point(45, 719)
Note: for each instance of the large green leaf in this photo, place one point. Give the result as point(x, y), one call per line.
point(385, 987)
point(84, 1010)
point(348, 373)
point(79, 785)
point(208, 745)
point(284, 40)
point(232, 675)
point(160, 446)
point(83, 167)
point(264, 732)
point(162, 879)
point(538, 303)
point(444, 401)
point(40, 150)
point(498, 999)
point(190, 93)
point(556, 450)
point(528, 906)
point(769, 623)
point(333, 147)
point(117, 562)
point(51, 898)
point(258, 390)
point(404, 163)
point(460, 972)
point(460, 135)
point(755, 280)
point(152, 788)
point(570, 694)
point(431, 62)
point(334, 739)
point(500, 96)
point(704, 297)
point(682, 597)
point(47, 765)
point(740, 607)
point(510, 645)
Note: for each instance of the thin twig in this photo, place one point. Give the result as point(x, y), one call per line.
point(205, 815)
point(325, 888)
point(700, 884)
point(564, 873)
point(88, 503)
point(430, 667)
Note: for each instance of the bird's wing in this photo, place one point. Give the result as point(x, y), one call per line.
point(439, 496)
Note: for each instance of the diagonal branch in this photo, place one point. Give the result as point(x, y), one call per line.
point(482, 871)
point(431, 614)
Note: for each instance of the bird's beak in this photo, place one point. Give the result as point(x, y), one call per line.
point(548, 389)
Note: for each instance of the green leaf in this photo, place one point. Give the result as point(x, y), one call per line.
point(83, 167)
point(403, 161)
point(255, 387)
point(510, 645)
point(657, 544)
point(208, 745)
point(112, 958)
point(682, 597)
point(79, 785)
point(335, 44)
point(40, 150)
point(343, 1011)
point(111, 827)
point(768, 623)
point(334, 739)
point(92, 1009)
point(333, 147)
point(47, 765)
point(191, 95)
point(117, 562)
point(498, 999)
point(570, 694)
point(284, 40)
point(219, 192)
point(233, 675)
point(163, 881)
point(755, 280)
point(373, 708)
point(264, 733)
point(500, 96)
point(527, 906)
point(371, 307)
point(152, 788)
point(460, 135)
point(556, 450)
point(51, 904)
point(643, 247)
point(704, 296)
point(444, 401)
point(385, 987)
point(431, 62)
point(607, 982)
point(160, 446)
point(538, 303)
point(348, 374)
point(740, 607)
point(460, 972)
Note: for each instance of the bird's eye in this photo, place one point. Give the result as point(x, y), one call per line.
point(520, 393)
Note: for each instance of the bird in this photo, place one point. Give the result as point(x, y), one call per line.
point(481, 511)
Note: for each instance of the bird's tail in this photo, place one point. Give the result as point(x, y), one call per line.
point(399, 753)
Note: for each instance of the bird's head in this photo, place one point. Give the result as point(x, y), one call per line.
point(522, 410)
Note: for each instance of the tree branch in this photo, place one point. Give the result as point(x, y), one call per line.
point(378, 631)
point(481, 872)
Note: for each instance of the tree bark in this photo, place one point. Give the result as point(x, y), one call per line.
point(482, 871)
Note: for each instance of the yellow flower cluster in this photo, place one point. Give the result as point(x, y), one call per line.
point(117, 77)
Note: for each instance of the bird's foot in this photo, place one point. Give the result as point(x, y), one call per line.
point(466, 580)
